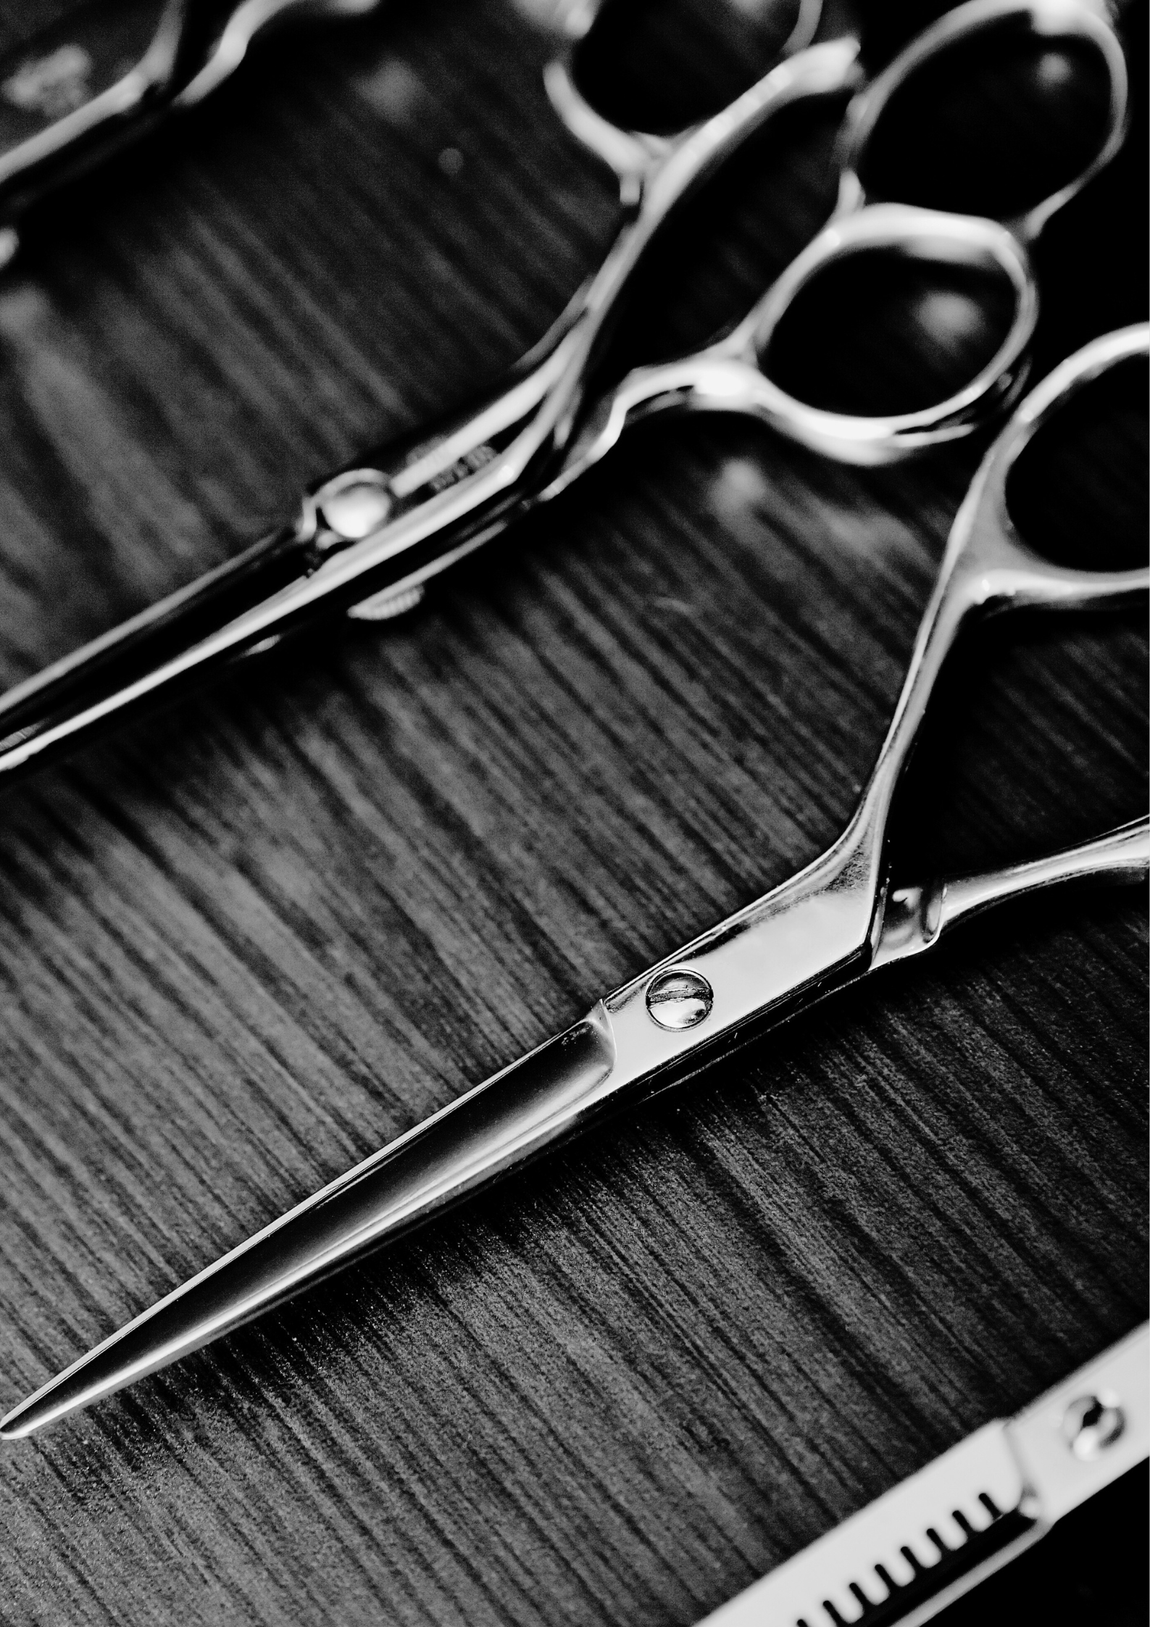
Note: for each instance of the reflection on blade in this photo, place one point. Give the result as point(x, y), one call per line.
point(520, 1111)
point(792, 944)
point(786, 950)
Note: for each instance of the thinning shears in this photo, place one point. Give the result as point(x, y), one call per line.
point(833, 923)
point(931, 1539)
point(101, 77)
point(366, 540)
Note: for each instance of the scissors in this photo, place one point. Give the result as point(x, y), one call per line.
point(835, 922)
point(366, 540)
point(102, 77)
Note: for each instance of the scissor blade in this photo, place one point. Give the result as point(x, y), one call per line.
point(654, 1030)
point(515, 1114)
point(789, 948)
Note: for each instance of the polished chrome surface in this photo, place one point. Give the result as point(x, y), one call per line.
point(1092, 1423)
point(418, 511)
point(351, 506)
point(1062, 1466)
point(921, 234)
point(1089, 20)
point(817, 932)
point(915, 918)
point(387, 605)
point(966, 1514)
point(633, 154)
point(679, 999)
point(448, 495)
point(859, 225)
point(519, 1111)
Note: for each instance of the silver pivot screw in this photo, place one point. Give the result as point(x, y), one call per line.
point(679, 998)
point(1091, 1423)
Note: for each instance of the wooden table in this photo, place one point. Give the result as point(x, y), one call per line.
point(245, 943)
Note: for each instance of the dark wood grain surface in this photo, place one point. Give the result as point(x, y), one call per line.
point(243, 944)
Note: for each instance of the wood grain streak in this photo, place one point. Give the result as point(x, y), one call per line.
point(245, 942)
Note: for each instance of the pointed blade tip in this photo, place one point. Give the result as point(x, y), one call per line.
point(43, 1407)
point(17, 1423)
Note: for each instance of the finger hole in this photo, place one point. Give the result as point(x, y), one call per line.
point(726, 243)
point(663, 65)
point(1077, 493)
point(992, 124)
point(880, 332)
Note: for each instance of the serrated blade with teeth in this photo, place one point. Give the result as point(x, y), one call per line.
point(934, 1536)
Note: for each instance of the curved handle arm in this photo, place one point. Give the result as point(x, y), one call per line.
point(1121, 855)
point(987, 567)
point(915, 918)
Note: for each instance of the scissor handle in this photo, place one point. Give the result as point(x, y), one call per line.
point(930, 236)
point(633, 153)
point(728, 377)
point(989, 562)
point(733, 375)
point(915, 918)
point(825, 925)
point(1086, 20)
point(1121, 856)
point(919, 234)
point(989, 566)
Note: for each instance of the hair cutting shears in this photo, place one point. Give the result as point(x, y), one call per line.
point(102, 76)
point(837, 920)
point(366, 540)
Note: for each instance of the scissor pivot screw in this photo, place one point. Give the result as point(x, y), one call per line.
point(679, 999)
point(353, 505)
point(1092, 1423)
